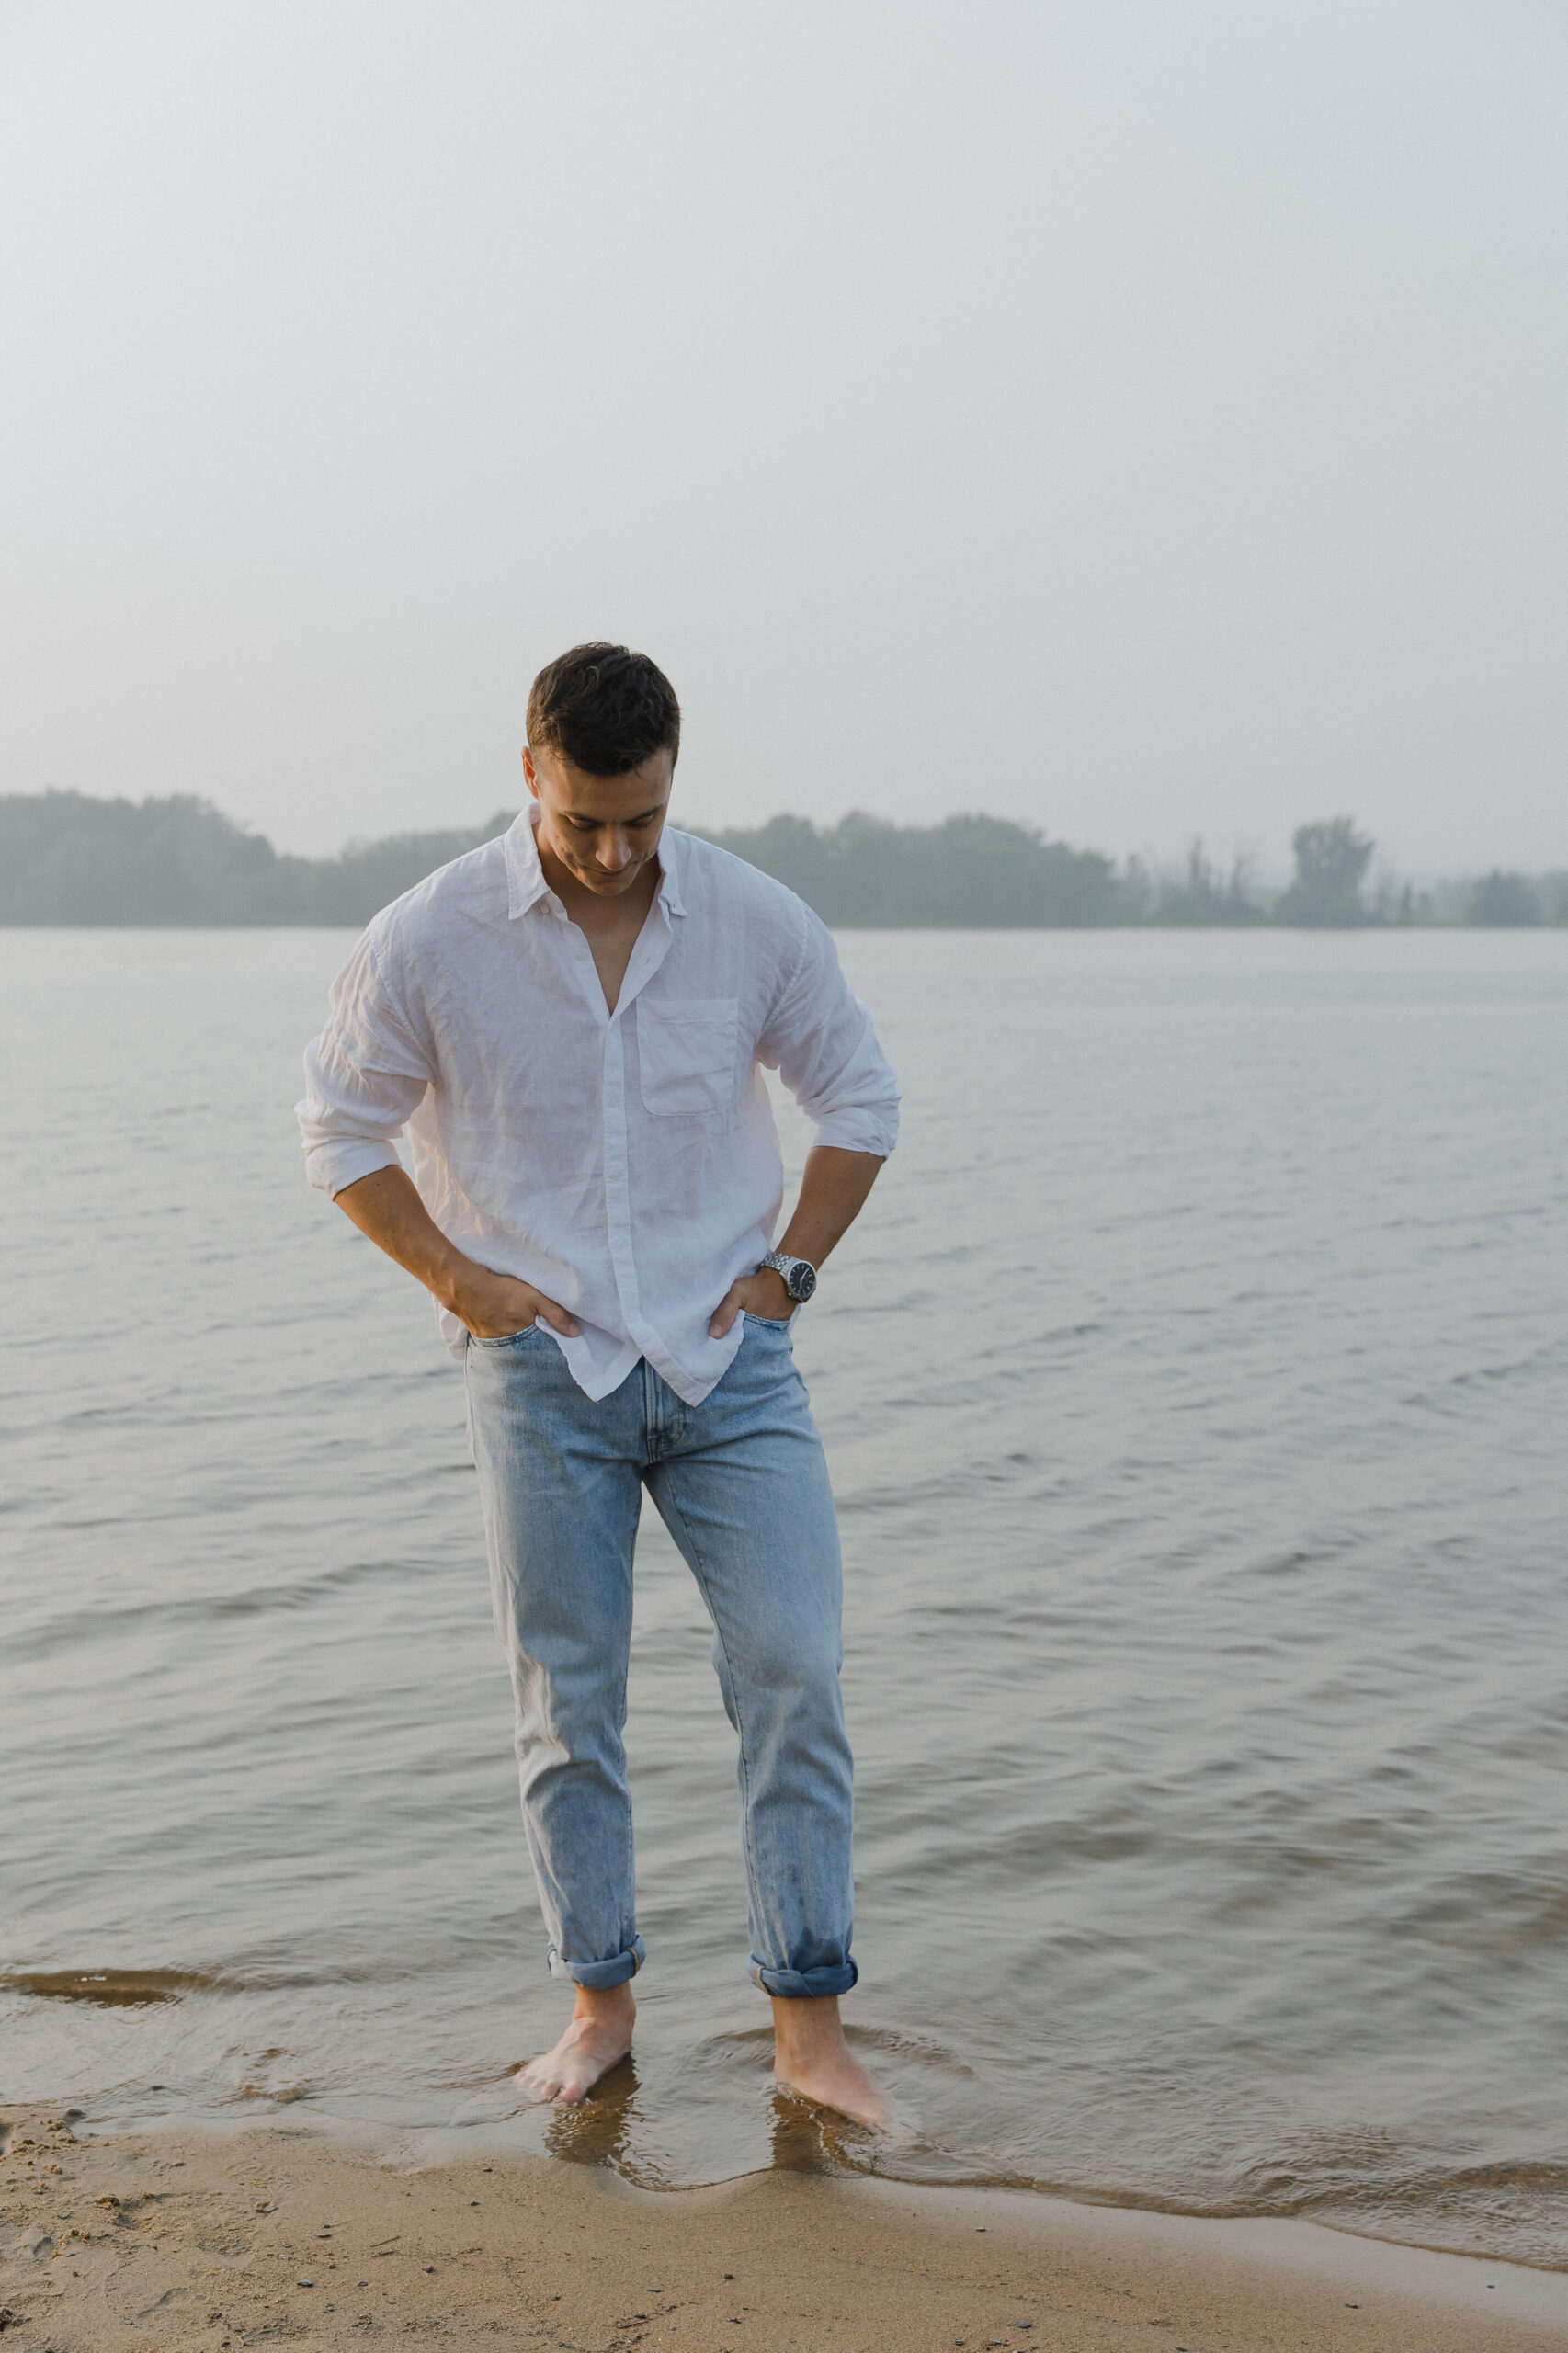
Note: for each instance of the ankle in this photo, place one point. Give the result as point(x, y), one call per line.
point(605, 2005)
point(807, 2028)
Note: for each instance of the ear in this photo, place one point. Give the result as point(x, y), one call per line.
point(530, 774)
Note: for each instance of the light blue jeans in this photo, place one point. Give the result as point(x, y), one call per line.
point(741, 1483)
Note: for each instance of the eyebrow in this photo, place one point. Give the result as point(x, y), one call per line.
point(582, 817)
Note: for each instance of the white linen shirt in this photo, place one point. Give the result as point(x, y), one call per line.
point(626, 1164)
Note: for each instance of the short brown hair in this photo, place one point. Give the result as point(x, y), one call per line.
point(603, 708)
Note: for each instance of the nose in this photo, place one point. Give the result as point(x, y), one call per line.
point(613, 852)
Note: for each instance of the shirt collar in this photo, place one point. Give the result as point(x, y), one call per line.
point(669, 873)
point(526, 885)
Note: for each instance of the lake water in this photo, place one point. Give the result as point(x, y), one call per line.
point(1195, 1390)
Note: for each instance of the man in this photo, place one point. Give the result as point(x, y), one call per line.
point(569, 1023)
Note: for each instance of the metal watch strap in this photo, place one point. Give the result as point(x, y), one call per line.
point(784, 1266)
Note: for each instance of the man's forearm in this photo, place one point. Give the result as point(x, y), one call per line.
point(833, 1189)
point(833, 1193)
point(386, 1206)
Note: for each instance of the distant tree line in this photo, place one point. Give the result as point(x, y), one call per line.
point(1329, 889)
point(968, 873)
point(70, 857)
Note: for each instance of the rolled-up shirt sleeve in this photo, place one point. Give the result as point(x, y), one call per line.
point(364, 1074)
point(819, 1038)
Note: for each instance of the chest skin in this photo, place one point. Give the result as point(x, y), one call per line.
point(612, 928)
point(611, 951)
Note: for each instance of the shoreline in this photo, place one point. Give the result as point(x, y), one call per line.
point(177, 2239)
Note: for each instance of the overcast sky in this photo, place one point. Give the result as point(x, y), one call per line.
point(1138, 416)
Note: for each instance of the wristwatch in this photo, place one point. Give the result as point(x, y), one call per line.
point(799, 1275)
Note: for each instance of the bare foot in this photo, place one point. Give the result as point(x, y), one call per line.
point(811, 2058)
point(597, 2039)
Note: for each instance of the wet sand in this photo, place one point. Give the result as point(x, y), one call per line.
point(163, 2242)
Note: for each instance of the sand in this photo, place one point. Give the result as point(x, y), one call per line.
point(163, 2241)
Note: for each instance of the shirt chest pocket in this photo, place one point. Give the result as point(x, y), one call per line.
point(686, 1048)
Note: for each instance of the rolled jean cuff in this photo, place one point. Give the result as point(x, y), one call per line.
point(804, 1985)
point(596, 1975)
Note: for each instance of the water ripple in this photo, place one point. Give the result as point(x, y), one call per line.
point(1194, 1393)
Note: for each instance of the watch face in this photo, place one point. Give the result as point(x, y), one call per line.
point(801, 1281)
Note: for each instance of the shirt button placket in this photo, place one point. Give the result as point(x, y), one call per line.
point(617, 1184)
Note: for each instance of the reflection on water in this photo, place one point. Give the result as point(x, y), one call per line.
point(601, 2130)
point(1194, 1394)
point(618, 2124)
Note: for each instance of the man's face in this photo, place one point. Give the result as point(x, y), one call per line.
point(603, 829)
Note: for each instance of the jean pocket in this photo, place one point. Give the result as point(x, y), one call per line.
point(505, 1339)
point(772, 1323)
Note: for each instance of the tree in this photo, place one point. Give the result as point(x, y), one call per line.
point(1332, 858)
point(970, 871)
point(1502, 899)
point(66, 857)
point(1206, 896)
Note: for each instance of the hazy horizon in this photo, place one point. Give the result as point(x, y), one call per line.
point(1159, 858)
point(1132, 426)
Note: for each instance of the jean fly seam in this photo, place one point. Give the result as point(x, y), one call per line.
point(652, 1432)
